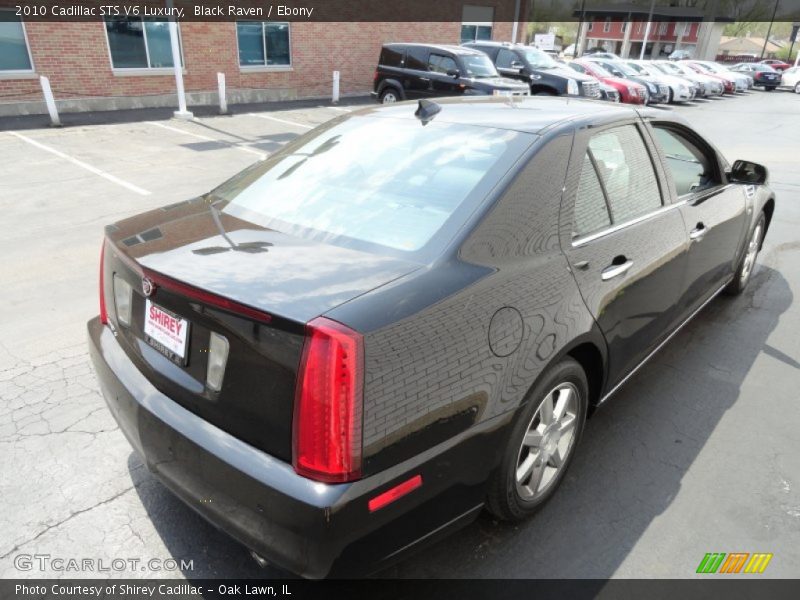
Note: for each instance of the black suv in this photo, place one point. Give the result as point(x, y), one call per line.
point(415, 71)
point(538, 69)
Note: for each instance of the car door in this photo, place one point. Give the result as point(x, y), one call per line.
point(441, 69)
point(715, 214)
point(416, 81)
point(626, 246)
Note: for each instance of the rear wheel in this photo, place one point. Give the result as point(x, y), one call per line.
point(542, 443)
point(797, 88)
point(748, 262)
point(389, 96)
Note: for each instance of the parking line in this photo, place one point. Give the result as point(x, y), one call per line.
point(281, 121)
point(80, 163)
point(260, 155)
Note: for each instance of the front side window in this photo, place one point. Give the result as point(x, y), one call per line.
point(691, 169)
point(626, 170)
point(476, 23)
point(346, 186)
point(478, 66)
point(14, 54)
point(140, 43)
point(263, 44)
point(439, 63)
point(505, 58)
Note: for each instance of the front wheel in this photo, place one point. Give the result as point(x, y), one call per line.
point(542, 443)
point(797, 88)
point(748, 262)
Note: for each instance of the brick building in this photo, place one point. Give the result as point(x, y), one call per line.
point(118, 64)
point(623, 28)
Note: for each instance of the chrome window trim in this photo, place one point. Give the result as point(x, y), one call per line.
point(583, 240)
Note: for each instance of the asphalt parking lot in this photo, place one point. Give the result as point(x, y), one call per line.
point(698, 453)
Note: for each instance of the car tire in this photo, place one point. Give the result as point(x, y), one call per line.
point(390, 95)
point(748, 262)
point(552, 419)
point(797, 88)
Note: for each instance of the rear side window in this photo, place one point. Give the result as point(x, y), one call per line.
point(438, 63)
point(417, 58)
point(346, 185)
point(392, 57)
point(626, 170)
point(591, 210)
point(692, 171)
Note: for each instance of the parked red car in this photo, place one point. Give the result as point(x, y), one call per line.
point(776, 64)
point(629, 91)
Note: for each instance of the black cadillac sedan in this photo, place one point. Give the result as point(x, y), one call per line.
point(406, 315)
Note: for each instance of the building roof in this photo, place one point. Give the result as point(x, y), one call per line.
point(745, 43)
point(622, 11)
point(526, 114)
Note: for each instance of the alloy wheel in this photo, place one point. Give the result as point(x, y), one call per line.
point(752, 253)
point(389, 98)
point(548, 441)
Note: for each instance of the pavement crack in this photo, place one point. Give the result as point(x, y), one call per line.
point(66, 519)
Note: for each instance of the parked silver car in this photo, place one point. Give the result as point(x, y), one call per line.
point(680, 89)
point(741, 81)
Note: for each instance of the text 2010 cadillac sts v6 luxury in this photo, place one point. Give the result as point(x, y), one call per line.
point(406, 314)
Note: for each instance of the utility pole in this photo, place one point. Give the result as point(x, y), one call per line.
point(771, 21)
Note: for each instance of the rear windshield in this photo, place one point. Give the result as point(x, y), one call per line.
point(376, 183)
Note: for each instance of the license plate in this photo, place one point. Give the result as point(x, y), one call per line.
point(166, 332)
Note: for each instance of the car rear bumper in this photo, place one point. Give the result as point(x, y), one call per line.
point(309, 528)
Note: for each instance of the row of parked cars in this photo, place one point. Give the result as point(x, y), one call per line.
point(418, 71)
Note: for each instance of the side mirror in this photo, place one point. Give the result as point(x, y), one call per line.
point(744, 171)
point(454, 73)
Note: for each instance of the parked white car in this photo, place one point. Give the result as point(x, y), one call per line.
point(680, 90)
point(743, 82)
point(790, 79)
point(709, 86)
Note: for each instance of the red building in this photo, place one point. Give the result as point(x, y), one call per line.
point(118, 64)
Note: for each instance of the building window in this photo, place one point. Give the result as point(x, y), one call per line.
point(140, 44)
point(14, 53)
point(591, 26)
point(639, 27)
point(264, 44)
point(624, 26)
point(662, 28)
point(476, 23)
point(607, 26)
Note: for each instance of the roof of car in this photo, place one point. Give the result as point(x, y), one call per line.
point(525, 114)
point(448, 47)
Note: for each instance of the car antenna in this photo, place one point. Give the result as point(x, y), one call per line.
point(427, 110)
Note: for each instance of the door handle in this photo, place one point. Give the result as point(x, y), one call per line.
point(424, 78)
point(614, 270)
point(698, 232)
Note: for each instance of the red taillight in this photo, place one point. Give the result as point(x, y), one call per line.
point(103, 311)
point(375, 77)
point(328, 404)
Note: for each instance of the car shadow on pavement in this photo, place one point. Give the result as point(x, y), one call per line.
point(628, 470)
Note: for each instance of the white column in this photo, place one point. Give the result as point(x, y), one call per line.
point(335, 91)
point(50, 101)
point(515, 26)
point(181, 113)
point(644, 40)
point(223, 100)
